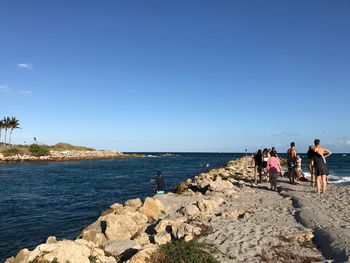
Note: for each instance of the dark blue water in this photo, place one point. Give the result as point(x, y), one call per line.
point(61, 198)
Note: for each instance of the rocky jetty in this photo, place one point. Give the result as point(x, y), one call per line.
point(69, 155)
point(246, 223)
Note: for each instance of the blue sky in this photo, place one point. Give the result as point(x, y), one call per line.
point(181, 75)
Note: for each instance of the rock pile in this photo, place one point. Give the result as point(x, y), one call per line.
point(130, 232)
point(69, 155)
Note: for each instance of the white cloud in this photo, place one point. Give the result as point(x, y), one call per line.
point(277, 134)
point(7, 90)
point(4, 88)
point(343, 141)
point(24, 66)
point(287, 134)
point(25, 92)
point(291, 134)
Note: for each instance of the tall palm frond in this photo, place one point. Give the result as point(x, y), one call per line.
point(1, 127)
point(13, 124)
point(6, 126)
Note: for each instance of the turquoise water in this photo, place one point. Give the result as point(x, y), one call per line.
point(61, 198)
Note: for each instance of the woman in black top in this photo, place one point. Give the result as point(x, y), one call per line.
point(321, 170)
point(258, 166)
point(310, 155)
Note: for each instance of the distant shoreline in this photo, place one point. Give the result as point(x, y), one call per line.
point(69, 155)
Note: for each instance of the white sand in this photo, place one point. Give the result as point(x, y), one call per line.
point(276, 219)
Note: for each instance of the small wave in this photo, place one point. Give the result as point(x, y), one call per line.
point(307, 175)
point(332, 179)
point(338, 180)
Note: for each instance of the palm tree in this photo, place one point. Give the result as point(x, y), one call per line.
point(1, 127)
point(6, 126)
point(13, 124)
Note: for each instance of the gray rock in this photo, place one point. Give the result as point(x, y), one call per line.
point(134, 203)
point(118, 247)
point(190, 210)
point(162, 238)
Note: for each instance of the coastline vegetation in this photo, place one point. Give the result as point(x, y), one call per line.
point(21, 152)
point(39, 150)
point(68, 147)
point(181, 251)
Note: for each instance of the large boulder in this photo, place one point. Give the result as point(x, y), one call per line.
point(162, 238)
point(204, 183)
point(144, 255)
point(119, 209)
point(136, 203)
point(118, 247)
point(190, 210)
point(169, 224)
point(66, 251)
point(116, 206)
point(79, 251)
point(142, 239)
point(220, 185)
point(23, 256)
point(124, 226)
point(152, 208)
point(186, 231)
point(209, 206)
point(115, 226)
point(95, 235)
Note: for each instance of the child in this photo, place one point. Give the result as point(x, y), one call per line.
point(274, 169)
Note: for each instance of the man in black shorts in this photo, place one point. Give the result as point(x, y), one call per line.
point(257, 166)
point(291, 162)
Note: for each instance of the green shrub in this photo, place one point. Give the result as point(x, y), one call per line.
point(40, 260)
point(39, 150)
point(66, 146)
point(184, 252)
point(11, 151)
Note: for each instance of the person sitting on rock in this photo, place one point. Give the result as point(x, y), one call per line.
point(298, 170)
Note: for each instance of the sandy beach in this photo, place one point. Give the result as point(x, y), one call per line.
point(244, 222)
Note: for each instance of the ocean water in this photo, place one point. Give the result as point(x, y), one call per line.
point(338, 165)
point(61, 198)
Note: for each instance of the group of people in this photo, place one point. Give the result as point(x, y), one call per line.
point(267, 166)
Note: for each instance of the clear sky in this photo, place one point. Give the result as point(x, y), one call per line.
point(178, 75)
